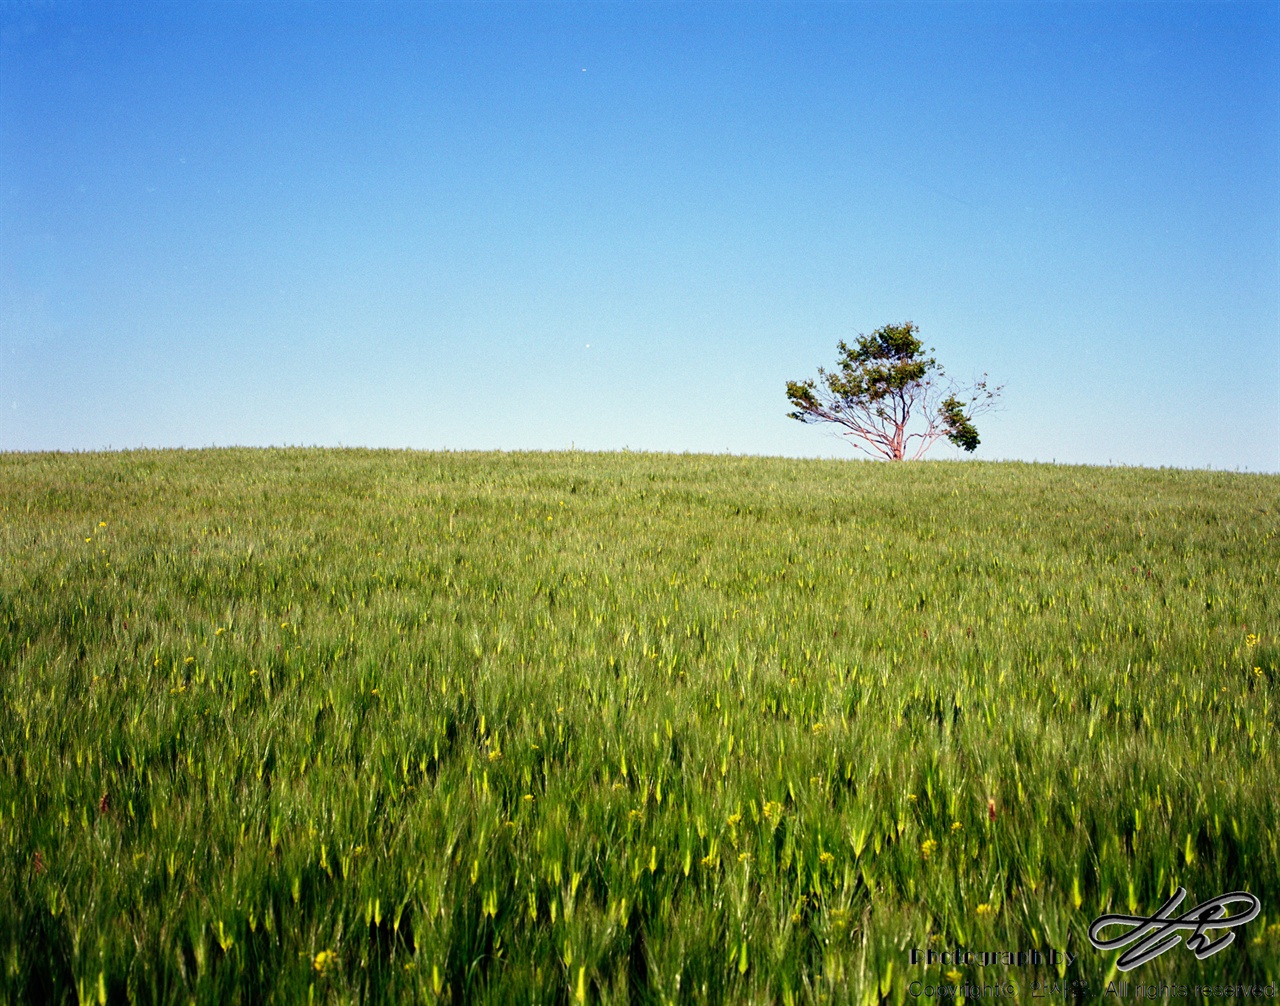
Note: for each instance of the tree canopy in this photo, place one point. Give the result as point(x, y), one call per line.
point(880, 384)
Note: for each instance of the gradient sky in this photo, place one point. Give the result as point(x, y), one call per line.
point(627, 225)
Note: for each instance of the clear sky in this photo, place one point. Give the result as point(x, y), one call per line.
point(628, 225)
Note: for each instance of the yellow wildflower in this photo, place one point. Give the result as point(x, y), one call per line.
point(325, 962)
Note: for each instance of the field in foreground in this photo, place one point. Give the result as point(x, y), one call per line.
point(394, 727)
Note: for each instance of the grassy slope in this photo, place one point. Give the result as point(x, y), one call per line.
point(529, 727)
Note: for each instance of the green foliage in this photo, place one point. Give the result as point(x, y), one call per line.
point(960, 431)
point(887, 361)
point(802, 397)
point(882, 383)
point(291, 725)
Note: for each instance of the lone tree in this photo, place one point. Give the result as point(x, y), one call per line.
point(881, 383)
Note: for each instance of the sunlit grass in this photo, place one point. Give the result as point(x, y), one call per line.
point(395, 727)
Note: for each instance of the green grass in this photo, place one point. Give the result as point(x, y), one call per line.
point(386, 727)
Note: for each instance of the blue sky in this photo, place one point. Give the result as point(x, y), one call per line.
point(627, 225)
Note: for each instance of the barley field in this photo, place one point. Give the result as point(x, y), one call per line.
point(305, 725)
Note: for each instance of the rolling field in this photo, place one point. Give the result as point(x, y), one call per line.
point(283, 726)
